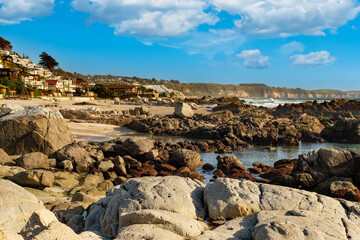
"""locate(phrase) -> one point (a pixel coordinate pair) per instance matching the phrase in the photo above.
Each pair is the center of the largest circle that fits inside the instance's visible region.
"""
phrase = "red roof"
(51, 82)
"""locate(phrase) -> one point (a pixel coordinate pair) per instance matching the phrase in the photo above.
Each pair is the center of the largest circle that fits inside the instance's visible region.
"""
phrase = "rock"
(10, 108)
(229, 198)
(66, 165)
(158, 193)
(34, 178)
(137, 146)
(105, 166)
(79, 156)
(344, 130)
(173, 222)
(35, 129)
(300, 224)
(178, 95)
(36, 160)
(140, 232)
(183, 110)
(193, 106)
(232, 167)
(9, 171)
(17, 205)
(185, 158)
(208, 167)
(39, 221)
(89, 183)
(58, 231)
(238, 228)
(66, 180)
(4, 158)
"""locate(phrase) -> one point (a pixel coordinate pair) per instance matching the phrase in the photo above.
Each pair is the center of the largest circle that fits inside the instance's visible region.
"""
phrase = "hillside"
(256, 91)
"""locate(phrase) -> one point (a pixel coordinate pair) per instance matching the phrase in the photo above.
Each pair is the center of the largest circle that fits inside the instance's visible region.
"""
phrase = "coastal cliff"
(256, 91)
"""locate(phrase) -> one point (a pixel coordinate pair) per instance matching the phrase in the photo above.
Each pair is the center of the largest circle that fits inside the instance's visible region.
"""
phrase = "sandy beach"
(68, 103)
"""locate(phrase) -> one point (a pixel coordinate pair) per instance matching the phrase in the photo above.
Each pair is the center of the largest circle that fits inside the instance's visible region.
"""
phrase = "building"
(52, 85)
(7, 72)
(123, 89)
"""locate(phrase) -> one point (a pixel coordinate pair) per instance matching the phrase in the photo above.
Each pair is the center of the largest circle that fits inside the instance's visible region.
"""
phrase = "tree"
(5, 44)
(47, 61)
(103, 91)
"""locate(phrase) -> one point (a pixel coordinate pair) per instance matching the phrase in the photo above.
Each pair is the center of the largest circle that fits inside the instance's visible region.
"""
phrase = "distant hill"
(256, 91)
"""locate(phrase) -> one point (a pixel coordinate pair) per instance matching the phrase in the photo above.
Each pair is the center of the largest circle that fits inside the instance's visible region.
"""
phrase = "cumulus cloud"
(144, 18)
(312, 59)
(254, 59)
(283, 18)
(292, 47)
(15, 11)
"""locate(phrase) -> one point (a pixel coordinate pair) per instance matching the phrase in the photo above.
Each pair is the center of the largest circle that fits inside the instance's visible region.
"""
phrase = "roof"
(159, 88)
(51, 82)
(120, 87)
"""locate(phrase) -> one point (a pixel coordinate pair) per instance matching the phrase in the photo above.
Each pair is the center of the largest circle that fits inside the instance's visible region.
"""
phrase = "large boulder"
(16, 206)
(185, 158)
(137, 146)
(35, 129)
(178, 195)
(80, 158)
(36, 160)
(183, 110)
(34, 178)
(344, 130)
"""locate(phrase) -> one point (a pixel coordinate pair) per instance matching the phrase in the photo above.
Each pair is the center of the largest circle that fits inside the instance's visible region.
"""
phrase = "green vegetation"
(5, 44)
(103, 92)
(14, 84)
(47, 61)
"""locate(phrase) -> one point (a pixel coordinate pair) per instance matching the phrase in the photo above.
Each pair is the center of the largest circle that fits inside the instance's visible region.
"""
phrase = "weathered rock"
(35, 160)
(35, 129)
(185, 158)
(173, 222)
(230, 198)
(106, 165)
(4, 158)
(38, 222)
(183, 110)
(344, 130)
(137, 146)
(17, 205)
(178, 95)
(9, 171)
(141, 231)
(66, 180)
(66, 165)
(79, 156)
(158, 193)
(34, 178)
(10, 108)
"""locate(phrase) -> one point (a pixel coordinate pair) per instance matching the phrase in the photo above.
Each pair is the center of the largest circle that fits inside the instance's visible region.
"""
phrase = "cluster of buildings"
(34, 76)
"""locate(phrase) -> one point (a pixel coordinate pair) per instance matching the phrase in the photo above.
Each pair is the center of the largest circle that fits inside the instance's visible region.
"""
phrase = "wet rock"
(208, 167)
(344, 130)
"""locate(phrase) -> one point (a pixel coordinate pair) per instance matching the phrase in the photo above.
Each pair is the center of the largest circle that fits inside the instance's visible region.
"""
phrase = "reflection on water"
(257, 154)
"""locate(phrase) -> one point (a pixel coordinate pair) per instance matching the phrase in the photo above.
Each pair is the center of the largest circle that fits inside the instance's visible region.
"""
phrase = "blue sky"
(311, 44)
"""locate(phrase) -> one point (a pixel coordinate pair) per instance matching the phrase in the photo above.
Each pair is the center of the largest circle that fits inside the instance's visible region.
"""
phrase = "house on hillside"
(120, 90)
(52, 85)
(7, 72)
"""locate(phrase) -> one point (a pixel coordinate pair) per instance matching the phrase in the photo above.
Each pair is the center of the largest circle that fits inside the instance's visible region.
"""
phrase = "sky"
(310, 44)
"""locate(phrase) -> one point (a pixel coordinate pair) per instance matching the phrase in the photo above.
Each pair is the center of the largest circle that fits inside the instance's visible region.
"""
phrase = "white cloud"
(292, 47)
(312, 59)
(148, 18)
(254, 59)
(283, 18)
(15, 11)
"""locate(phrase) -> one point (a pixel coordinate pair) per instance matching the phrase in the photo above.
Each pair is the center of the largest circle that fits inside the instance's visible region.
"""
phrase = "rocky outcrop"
(344, 130)
(185, 158)
(35, 129)
(159, 193)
